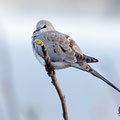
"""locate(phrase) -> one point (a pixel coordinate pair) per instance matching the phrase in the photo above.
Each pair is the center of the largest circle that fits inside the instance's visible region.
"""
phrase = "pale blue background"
(26, 92)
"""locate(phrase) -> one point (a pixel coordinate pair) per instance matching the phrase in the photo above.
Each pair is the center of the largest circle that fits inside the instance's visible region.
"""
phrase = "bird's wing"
(62, 48)
(79, 55)
(67, 49)
(59, 48)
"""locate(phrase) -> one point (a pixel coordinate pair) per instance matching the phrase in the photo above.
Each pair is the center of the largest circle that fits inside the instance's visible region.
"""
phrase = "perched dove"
(63, 51)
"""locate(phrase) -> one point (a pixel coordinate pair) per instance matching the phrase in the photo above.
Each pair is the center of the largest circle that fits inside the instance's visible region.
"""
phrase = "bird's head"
(43, 26)
(38, 42)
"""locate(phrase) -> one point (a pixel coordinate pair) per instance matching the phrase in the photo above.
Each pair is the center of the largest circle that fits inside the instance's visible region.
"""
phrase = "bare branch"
(51, 73)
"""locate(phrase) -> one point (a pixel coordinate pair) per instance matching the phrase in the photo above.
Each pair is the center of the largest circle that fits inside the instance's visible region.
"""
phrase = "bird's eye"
(44, 26)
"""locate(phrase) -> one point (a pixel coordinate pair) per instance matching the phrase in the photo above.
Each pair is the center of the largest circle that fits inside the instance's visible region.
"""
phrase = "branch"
(51, 73)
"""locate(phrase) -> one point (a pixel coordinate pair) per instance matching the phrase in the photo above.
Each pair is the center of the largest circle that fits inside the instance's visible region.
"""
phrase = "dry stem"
(51, 73)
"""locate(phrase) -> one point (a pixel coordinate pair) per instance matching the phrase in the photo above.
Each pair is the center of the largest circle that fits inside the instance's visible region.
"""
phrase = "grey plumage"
(63, 51)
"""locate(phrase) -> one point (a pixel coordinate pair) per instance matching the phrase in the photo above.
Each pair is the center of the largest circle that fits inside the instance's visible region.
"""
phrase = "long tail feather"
(85, 67)
(96, 74)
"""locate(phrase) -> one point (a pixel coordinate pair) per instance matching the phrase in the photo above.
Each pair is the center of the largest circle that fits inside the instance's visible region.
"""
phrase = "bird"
(63, 50)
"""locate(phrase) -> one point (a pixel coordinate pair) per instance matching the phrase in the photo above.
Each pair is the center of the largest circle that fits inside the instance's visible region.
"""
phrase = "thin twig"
(51, 74)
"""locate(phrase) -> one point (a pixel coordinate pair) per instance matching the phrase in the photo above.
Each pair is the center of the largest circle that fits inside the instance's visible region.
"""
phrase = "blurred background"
(26, 92)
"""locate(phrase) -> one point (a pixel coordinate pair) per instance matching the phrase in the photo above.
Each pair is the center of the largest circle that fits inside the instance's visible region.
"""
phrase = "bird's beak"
(36, 30)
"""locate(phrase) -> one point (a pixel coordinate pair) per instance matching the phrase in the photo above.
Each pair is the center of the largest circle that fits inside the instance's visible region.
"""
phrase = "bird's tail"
(96, 74)
(87, 68)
